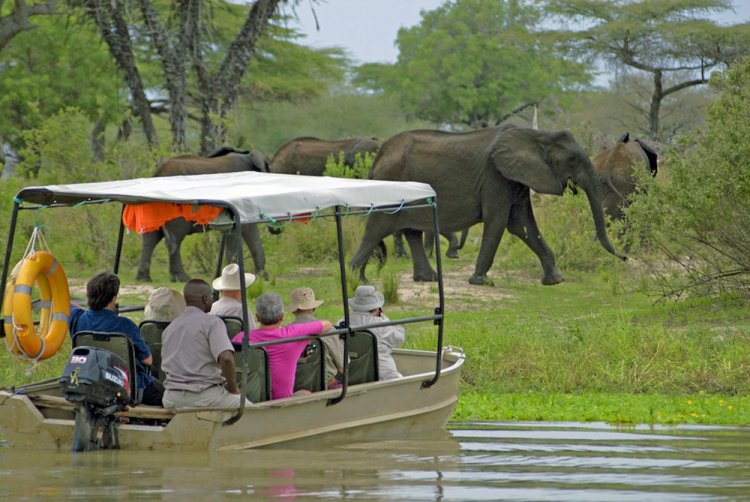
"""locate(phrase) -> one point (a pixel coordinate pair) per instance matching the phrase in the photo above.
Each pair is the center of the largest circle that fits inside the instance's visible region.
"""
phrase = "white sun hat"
(230, 279)
(366, 299)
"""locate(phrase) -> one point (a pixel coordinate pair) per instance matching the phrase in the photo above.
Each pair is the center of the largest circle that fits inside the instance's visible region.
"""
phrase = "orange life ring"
(43, 269)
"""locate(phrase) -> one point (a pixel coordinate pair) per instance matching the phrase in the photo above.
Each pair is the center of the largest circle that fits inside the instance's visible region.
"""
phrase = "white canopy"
(257, 196)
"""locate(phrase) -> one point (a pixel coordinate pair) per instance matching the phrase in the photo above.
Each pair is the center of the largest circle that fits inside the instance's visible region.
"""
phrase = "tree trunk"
(656, 99)
(173, 58)
(109, 18)
(219, 90)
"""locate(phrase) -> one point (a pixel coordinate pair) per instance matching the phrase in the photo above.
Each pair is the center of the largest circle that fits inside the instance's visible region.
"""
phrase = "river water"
(471, 462)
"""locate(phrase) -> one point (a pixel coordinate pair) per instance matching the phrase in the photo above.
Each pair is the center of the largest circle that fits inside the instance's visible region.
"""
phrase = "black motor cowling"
(97, 381)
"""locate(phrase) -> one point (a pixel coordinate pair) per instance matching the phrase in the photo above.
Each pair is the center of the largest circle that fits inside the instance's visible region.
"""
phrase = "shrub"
(360, 169)
(699, 218)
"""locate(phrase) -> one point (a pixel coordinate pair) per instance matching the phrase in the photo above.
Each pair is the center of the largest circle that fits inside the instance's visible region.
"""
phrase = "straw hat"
(230, 279)
(164, 304)
(366, 299)
(303, 299)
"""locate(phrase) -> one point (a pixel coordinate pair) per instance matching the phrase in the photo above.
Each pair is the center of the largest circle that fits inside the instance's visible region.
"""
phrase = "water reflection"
(476, 461)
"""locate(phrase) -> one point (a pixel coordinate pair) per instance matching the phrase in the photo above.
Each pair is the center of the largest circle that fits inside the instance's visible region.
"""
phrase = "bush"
(360, 169)
(699, 218)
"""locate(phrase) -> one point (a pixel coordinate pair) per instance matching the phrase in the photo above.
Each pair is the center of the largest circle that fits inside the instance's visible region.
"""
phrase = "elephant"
(223, 160)
(308, 155)
(483, 175)
(615, 167)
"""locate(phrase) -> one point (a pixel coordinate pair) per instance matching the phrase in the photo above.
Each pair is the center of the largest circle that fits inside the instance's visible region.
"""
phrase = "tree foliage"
(473, 62)
(673, 42)
(700, 218)
(17, 19)
(60, 64)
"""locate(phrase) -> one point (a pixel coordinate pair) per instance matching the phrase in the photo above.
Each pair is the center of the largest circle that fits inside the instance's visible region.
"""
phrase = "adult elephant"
(615, 167)
(482, 175)
(223, 160)
(308, 155)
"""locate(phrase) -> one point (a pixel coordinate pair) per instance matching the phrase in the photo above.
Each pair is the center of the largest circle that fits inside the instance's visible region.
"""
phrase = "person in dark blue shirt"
(101, 292)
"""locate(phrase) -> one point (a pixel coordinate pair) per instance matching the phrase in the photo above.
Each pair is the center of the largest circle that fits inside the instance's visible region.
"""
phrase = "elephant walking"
(224, 160)
(308, 155)
(482, 175)
(615, 167)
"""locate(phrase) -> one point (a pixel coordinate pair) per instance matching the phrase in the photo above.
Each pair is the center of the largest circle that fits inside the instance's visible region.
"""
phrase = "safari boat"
(43, 415)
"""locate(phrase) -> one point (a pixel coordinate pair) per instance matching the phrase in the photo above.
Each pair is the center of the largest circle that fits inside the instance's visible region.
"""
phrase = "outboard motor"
(97, 382)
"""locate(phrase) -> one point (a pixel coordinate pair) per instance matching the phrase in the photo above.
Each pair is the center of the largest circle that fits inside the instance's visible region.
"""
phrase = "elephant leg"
(398, 245)
(429, 242)
(523, 225)
(174, 233)
(149, 241)
(453, 246)
(422, 269)
(251, 235)
(378, 227)
(493, 232)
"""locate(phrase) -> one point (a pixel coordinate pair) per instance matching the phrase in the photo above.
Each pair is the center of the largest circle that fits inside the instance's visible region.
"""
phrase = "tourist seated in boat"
(367, 308)
(101, 293)
(164, 305)
(197, 356)
(230, 301)
(282, 358)
(303, 305)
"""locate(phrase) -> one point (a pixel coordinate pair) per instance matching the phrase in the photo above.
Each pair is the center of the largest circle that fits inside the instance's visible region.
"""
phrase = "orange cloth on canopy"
(151, 216)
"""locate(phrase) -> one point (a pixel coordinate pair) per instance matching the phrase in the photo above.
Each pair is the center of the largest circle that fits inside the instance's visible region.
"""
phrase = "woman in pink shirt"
(282, 358)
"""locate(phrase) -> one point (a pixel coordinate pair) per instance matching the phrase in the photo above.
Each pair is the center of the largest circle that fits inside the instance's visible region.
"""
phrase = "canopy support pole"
(8, 249)
(345, 302)
(441, 299)
(237, 229)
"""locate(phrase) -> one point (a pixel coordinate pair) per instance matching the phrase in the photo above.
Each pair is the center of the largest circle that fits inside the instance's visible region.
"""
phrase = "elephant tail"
(464, 235)
(380, 253)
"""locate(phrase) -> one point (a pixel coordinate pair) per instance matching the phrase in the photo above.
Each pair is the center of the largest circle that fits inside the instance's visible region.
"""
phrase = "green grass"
(601, 346)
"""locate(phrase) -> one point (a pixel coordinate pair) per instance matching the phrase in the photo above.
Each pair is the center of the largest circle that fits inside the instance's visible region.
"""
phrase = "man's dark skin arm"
(226, 363)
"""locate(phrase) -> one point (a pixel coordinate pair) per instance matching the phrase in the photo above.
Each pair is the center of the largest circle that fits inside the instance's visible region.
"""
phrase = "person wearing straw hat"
(303, 305)
(230, 301)
(164, 304)
(367, 308)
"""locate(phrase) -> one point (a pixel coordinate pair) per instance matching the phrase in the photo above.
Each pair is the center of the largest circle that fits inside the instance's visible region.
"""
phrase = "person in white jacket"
(367, 308)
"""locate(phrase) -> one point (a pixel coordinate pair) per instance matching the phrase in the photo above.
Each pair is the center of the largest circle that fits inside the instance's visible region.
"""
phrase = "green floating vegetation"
(700, 408)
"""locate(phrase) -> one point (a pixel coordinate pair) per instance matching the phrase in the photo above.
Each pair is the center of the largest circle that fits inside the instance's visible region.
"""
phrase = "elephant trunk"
(595, 201)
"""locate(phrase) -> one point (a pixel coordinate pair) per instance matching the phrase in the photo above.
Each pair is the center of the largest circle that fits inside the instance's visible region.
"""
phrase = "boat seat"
(151, 332)
(120, 345)
(259, 374)
(233, 324)
(310, 374)
(363, 357)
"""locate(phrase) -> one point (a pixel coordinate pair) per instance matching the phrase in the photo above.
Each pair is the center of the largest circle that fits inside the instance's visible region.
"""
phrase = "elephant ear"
(653, 157)
(518, 154)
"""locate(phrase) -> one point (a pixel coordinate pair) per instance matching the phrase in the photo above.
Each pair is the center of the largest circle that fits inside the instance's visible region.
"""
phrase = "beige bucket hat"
(164, 304)
(366, 299)
(230, 279)
(303, 299)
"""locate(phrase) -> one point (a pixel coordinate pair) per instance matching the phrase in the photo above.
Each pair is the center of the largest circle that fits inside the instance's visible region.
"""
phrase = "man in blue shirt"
(101, 292)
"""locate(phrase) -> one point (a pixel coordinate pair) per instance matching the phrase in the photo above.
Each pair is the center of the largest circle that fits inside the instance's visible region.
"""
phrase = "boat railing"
(348, 331)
